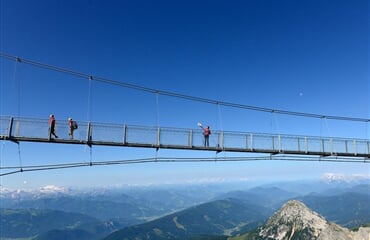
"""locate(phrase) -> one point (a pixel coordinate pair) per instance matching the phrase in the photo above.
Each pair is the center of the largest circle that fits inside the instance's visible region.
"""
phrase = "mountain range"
(218, 217)
(185, 212)
(296, 221)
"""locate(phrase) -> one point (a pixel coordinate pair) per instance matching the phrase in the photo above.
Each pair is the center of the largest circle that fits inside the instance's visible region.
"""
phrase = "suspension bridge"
(88, 133)
(271, 146)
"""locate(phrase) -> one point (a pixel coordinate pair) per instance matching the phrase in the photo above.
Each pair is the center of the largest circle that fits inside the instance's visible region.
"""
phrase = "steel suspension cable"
(179, 95)
(20, 156)
(89, 109)
(220, 117)
(274, 121)
(157, 108)
(1, 161)
(221, 128)
(89, 103)
(327, 127)
(185, 160)
(18, 86)
(157, 120)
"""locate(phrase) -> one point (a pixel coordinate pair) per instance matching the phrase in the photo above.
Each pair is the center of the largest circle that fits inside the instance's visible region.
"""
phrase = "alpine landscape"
(185, 120)
(330, 209)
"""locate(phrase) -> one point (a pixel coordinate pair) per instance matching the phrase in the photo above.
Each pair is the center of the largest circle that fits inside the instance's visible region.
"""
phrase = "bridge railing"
(30, 129)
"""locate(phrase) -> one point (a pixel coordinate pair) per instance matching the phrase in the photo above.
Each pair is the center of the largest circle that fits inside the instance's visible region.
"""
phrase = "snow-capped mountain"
(343, 178)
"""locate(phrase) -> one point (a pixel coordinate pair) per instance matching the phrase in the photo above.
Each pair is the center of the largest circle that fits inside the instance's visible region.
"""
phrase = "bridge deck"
(36, 130)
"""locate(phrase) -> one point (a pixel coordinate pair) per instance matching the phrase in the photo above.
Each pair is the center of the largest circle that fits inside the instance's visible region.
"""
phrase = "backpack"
(74, 125)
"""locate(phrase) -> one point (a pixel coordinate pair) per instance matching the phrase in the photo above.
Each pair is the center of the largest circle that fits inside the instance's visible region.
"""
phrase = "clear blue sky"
(307, 56)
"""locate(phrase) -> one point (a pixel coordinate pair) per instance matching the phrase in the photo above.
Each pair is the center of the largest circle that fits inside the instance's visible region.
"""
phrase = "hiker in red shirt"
(206, 133)
(71, 128)
(52, 123)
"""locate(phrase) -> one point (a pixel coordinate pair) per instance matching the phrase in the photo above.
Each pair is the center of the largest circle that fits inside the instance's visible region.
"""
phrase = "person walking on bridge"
(52, 123)
(72, 126)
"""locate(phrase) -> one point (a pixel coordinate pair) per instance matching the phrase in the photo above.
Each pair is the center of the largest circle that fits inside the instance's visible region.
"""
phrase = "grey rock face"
(295, 221)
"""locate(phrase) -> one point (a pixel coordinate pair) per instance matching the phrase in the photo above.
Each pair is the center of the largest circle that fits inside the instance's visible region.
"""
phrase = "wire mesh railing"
(30, 129)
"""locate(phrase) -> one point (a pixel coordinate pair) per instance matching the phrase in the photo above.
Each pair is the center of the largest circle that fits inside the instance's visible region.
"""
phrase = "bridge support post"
(158, 137)
(10, 129)
(190, 138)
(246, 141)
(251, 147)
(220, 144)
(89, 134)
(124, 134)
(305, 145)
(279, 140)
(49, 133)
(322, 146)
(331, 146)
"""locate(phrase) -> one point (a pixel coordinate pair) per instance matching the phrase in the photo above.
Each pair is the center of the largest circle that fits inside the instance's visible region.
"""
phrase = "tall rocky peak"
(296, 221)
